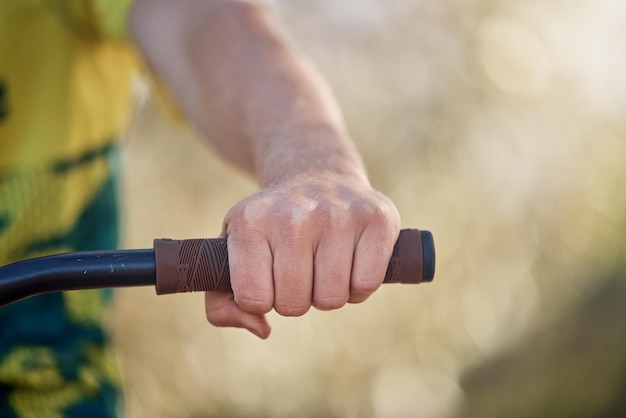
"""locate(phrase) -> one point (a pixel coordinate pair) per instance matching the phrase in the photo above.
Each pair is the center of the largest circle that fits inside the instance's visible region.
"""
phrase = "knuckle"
(357, 298)
(382, 213)
(246, 217)
(327, 303)
(291, 233)
(379, 214)
(365, 286)
(291, 308)
(295, 221)
(254, 303)
(338, 218)
(255, 211)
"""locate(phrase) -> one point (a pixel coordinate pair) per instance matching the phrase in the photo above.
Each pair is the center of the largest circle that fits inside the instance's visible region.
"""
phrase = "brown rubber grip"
(407, 259)
(202, 264)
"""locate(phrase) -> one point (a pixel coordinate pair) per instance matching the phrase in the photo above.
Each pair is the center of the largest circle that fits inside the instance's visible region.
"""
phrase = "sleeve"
(110, 17)
(102, 18)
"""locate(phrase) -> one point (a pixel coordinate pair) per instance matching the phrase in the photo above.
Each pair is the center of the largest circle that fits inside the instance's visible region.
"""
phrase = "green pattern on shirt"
(55, 354)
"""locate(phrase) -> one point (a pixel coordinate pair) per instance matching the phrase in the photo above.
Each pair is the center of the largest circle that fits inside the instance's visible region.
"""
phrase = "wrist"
(322, 154)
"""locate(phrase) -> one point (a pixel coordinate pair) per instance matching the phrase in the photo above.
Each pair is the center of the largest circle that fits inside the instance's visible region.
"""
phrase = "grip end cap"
(428, 251)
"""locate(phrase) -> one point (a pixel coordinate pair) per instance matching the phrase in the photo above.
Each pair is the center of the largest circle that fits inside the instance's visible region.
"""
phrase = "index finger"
(371, 259)
(250, 262)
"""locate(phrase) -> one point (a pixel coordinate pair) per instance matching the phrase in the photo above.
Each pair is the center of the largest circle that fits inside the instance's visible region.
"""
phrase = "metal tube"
(74, 271)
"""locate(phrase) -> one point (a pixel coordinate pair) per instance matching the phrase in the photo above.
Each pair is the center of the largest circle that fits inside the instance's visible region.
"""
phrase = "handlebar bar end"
(428, 251)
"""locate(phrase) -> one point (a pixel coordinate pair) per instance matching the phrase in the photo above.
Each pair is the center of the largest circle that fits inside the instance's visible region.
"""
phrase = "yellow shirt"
(66, 72)
(65, 94)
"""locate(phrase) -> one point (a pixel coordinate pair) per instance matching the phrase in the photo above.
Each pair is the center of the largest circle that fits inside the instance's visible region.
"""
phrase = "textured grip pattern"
(206, 261)
(394, 269)
(202, 264)
(192, 265)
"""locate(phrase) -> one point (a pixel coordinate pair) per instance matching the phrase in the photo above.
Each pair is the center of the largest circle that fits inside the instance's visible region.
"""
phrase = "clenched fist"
(311, 241)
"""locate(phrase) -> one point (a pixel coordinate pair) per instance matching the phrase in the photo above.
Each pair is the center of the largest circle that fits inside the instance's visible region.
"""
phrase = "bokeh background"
(500, 126)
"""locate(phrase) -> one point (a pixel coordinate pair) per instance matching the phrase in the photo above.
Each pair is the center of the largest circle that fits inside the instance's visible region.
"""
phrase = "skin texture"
(316, 233)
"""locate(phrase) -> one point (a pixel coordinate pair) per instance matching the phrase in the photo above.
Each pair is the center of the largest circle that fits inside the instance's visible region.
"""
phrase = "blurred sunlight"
(499, 125)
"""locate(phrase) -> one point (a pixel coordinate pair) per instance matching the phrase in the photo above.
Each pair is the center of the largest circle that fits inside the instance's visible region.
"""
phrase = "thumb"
(222, 311)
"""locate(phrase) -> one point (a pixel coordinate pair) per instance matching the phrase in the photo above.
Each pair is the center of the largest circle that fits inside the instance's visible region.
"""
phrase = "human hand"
(310, 241)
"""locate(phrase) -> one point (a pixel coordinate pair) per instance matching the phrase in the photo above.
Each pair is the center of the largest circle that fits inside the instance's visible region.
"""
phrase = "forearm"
(316, 234)
(256, 99)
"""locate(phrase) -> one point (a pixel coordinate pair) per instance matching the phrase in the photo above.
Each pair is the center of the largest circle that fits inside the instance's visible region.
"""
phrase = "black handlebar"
(176, 266)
